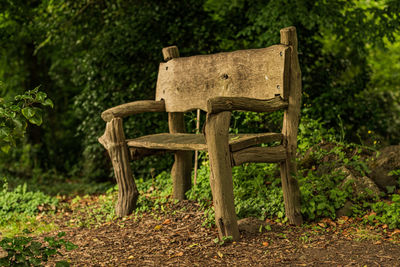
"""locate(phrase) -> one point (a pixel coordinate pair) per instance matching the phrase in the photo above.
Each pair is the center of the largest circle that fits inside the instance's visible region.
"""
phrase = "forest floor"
(174, 236)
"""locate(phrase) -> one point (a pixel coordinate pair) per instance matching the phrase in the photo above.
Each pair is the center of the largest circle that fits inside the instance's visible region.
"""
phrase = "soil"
(176, 237)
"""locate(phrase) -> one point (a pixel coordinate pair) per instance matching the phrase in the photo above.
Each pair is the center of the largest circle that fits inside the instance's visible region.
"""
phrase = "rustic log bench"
(259, 80)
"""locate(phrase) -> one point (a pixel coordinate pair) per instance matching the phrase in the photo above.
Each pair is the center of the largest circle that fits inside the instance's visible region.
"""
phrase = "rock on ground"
(385, 161)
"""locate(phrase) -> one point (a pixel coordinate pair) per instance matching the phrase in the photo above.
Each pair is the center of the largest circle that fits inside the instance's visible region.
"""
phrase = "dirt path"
(176, 238)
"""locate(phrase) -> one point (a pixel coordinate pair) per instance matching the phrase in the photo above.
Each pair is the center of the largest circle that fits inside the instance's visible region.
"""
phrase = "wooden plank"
(259, 154)
(177, 141)
(181, 171)
(290, 187)
(224, 103)
(216, 132)
(114, 141)
(240, 141)
(136, 107)
(184, 141)
(186, 83)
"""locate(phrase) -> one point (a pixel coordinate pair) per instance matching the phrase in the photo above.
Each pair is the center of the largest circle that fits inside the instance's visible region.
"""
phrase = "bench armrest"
(223, 103)
(133, 108)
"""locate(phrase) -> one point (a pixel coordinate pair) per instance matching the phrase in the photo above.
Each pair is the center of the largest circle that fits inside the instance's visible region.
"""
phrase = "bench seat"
(183, 141)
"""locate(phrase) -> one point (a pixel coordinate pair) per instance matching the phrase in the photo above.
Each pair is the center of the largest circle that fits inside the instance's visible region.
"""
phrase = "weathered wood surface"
(259, 154)
(169, 141)
(181, 171)
(240, 141)
(184, 141)
(136, 107)
(113, 141)
(196, 153)
(216, 132)
(225, 103)
(186, 83)
(170, 52)
(290, 185)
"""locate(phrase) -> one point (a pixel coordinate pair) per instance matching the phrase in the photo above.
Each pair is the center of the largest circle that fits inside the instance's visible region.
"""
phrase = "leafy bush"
(321, 195)
(21, 201)
(15, 114)
(386, 212)
(24, 251)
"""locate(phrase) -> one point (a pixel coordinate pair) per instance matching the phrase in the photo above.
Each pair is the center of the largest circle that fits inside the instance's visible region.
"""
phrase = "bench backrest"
(185, 83)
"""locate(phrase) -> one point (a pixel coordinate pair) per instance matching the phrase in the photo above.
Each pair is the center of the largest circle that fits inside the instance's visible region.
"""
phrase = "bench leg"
(216, 131)
(181, 174)
(114, 141)
(182, 169)
(291, 191)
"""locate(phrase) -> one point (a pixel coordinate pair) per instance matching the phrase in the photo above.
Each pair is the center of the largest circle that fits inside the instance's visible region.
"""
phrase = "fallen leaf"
(180, 254)
(384, 226)
(167, 221)
(157, 227)
(193, 245)
(220, 254)
(186, 217)
(396, 231)
(131, 257)
(265, 244)
(323, 225)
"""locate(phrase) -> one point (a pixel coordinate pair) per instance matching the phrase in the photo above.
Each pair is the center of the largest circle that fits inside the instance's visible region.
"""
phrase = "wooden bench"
(259, 80)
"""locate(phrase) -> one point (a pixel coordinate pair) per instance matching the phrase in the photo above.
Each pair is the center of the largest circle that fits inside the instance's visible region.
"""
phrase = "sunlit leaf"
(48, 102)
(28, 112)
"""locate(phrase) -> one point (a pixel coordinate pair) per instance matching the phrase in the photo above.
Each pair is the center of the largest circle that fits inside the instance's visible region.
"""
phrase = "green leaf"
(5, 261)
(50, 252)
(61, 234)
(35, 261)
(15, 108)
(6, 148)
(35, 248)
(41, 96)
(62, 264)
(70, 246)
(28, 112)
(48, 102)
(20, 258)
(37, 119)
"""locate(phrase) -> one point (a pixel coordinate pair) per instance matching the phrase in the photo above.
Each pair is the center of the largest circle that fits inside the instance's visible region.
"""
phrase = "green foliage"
(20, 201)
(90, 56)
(223, 241)
(25, 251)
(154, 192)
(90, 211)
(266, 201)
(386, 212)
(15, 114)
(322, 195)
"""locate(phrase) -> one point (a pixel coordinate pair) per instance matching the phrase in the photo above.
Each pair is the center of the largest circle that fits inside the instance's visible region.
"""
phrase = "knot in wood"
(224, 76)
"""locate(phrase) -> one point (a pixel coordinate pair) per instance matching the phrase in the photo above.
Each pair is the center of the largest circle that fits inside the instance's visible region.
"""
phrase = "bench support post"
(290, 186)
(217, 138)
(182, 169)
(113, 140)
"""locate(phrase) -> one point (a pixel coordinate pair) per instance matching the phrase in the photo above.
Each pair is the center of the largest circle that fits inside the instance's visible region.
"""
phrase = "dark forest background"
(90, 55)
